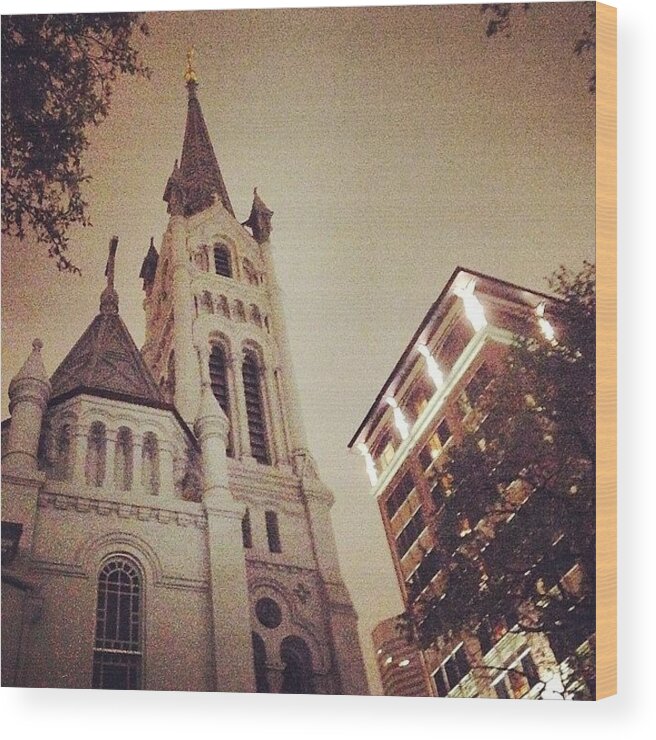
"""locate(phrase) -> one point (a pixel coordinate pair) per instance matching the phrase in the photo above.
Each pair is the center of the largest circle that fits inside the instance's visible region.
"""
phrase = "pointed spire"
(260, 219)
(109, 296)
(33, 368)
(198, 182)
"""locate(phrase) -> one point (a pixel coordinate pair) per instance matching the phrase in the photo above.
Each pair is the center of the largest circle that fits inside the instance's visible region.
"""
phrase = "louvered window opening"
(222, 262)
(117, 654)
(255, 411)
(219, 384)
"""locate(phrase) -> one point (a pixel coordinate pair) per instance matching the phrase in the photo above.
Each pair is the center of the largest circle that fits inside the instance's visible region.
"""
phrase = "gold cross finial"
(190, 72)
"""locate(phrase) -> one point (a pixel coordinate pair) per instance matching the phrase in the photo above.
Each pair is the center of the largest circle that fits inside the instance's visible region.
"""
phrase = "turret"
(29, 392)
(259, 220)
(149, 267)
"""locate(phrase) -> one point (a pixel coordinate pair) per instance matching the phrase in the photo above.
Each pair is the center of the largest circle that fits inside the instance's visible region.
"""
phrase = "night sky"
(393, 144)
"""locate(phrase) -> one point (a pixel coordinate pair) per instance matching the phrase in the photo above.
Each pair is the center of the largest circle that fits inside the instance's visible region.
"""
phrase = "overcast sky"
(393, 144)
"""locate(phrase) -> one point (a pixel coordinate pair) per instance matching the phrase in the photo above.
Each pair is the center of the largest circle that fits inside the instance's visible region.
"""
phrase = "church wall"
(68, 551)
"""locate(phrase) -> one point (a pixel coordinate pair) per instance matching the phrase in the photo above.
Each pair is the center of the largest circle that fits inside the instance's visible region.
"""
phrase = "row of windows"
(96, 458)
(253, 393)
(206, 303)
(272, 530)
(384, 449)
(118, 643)
(222, 264)
(451, 672)
(408, 535)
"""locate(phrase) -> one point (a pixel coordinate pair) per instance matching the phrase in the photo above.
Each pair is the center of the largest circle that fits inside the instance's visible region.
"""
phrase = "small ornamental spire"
(109, 296)
(259, 220)
(190, 72)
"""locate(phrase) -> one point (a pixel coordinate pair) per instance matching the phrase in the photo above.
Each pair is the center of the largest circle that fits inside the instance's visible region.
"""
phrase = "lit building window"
(451, 672)
(518, 679)
(117, 654)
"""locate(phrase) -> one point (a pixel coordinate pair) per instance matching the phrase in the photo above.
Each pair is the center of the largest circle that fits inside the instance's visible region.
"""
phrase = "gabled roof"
(198, 180)
(105, 359)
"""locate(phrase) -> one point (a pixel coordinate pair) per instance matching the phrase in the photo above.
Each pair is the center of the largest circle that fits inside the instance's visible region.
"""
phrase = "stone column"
(242, 416)
(29, 392)
(342, 620)
(187, 386)
(233, 649)
(166, 475)
(137, 451)
(279, 330)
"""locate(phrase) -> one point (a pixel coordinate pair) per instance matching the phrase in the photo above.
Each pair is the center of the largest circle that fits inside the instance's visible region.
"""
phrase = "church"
(164, 526)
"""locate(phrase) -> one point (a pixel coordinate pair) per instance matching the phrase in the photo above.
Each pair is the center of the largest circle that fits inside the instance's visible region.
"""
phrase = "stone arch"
(238, 310)
(255, 315)
(250, 273)
(123, 459)
(96, 455)
(95, 550)
(222, 306)
(206, 302)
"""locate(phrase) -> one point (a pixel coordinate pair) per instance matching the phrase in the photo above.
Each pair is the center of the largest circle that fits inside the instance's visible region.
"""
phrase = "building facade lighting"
(369, 463)
(431, 366)
(545, 326)
(473, 307)
(399, 420)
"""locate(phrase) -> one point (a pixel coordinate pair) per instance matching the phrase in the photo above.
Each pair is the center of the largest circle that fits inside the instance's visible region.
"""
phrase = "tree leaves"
(516, 533)
(57, 79)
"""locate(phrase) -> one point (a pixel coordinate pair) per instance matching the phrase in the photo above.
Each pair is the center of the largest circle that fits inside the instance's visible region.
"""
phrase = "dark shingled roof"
(105, 359)
(198, 180)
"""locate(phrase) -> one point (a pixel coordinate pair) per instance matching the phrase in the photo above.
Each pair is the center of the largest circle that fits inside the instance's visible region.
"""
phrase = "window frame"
(130, 651)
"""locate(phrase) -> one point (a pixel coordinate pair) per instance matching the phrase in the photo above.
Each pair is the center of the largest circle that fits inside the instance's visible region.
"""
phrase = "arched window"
(222, 265)
(219, 383)
(123, 460)
(150, 464)
(117, 652)
(255, 409)
(259, 660)
(239, 311)
(255, 315)
(297, 676)
(223, 307)
(63, 444)
(246, 531)
(206, 302)
(249, 272)
(96, 453)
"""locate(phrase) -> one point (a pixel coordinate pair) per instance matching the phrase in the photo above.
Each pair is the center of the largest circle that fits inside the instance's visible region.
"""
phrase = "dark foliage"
(516, 508)
(498, 21)
(57, 78)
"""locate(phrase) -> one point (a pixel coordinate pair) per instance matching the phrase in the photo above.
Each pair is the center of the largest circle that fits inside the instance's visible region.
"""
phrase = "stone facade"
(182, 475)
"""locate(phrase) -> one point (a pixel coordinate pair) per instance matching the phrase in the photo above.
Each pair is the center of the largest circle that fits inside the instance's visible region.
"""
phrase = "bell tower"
(215, 320)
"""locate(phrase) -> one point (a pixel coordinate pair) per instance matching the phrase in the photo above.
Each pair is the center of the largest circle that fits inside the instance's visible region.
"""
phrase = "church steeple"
(197, 182)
